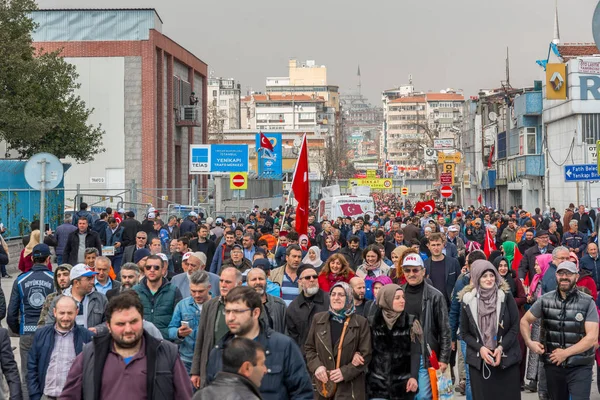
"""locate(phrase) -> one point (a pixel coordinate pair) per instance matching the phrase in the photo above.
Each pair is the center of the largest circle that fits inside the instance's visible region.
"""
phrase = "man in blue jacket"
(54, 350)
(26, 301)
(287, 377)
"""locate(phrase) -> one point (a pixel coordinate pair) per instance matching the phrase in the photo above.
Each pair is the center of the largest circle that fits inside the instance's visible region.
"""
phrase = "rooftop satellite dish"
(493, 116)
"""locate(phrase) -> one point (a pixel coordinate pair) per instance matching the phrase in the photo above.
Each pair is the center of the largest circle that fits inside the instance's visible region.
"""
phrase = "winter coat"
(286, 377)
(83, 213)
(227, 386)
(72, 248)
(97, 303)
(274, 309)
(112, 238)
(29, 292)
(300, 314)
(585, 224)
(100, 227)
(159, 307)
(62, 235)
(452, 272)
(354, 258)
(326, 281)
(586, 280)
(205, 338)
(320, 351)
(507, 316)
(577, 240)
(527, 265)
(9, 366)
(395, 357)
(40, 353)
(130, 227)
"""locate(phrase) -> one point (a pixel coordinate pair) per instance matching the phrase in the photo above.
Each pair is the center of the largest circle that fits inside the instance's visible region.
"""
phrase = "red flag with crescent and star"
(350, 210)
(425, 206)
(301, 188)
(489, 245)
(265, 143)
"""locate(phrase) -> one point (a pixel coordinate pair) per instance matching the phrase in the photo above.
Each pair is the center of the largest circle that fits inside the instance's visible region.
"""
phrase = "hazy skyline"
(459, 44)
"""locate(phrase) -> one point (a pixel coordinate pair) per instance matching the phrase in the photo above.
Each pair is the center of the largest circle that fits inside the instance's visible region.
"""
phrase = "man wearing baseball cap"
(27, 298)
(570, 322)
(91, 302)
(189, 224)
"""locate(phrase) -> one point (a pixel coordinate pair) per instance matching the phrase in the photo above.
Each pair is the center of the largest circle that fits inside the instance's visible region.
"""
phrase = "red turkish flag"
(479, 200)
(350, 210)
(265, 143)
(489, 244)
(425, 206)
(301, 189)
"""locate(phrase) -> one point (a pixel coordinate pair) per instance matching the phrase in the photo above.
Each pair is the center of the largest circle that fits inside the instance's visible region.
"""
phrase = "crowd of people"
(390, 306)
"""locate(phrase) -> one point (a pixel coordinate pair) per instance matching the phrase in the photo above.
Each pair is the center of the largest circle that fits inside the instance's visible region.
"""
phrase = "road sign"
(214, 158)
(430, 154)
(404, 191)
(581, 172)
(446, 178)
(449, 169)
(238, 181)
(443, 144)
(371, 173)
(446, 191)
(372, 183)
(448, 158)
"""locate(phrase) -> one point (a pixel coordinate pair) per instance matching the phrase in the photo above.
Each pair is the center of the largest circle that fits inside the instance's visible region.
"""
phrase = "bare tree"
(215, 122)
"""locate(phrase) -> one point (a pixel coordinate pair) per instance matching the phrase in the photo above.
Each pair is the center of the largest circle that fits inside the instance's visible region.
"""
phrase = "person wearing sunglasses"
(141, 239)
(303, 308)
(157, 294)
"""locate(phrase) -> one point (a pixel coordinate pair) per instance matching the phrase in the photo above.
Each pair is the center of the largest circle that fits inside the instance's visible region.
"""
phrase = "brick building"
(139, 83)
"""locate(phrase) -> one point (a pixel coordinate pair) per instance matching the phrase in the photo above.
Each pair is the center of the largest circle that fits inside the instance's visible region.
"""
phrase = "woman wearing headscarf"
(331, 247)
(304, 242)
(336, 269)
(542, 263)
(489, 324)
(586, 279)
(394, 369)
(26, 259)
(508, 250)
(313, 257)
(371, 268)
(335, 339)
(518, 292)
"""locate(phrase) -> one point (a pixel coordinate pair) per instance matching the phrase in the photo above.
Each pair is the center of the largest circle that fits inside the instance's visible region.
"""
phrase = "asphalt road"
(7, 287)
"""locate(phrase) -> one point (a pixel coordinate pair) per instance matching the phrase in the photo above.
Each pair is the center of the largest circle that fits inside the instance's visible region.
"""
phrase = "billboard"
(218, 158)
(270, 163)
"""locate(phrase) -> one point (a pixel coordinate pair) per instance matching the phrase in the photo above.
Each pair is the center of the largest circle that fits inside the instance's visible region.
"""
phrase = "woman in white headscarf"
(489, 324)
(313, 257)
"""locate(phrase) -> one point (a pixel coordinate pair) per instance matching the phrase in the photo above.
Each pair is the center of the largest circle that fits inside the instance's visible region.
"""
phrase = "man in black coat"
(441, 269)
(353, 252)
(80, 240)
(584, 221)
(131, 226)
(527, 265)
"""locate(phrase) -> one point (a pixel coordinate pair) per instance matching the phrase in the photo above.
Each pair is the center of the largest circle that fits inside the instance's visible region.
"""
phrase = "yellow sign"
(449, 169)
(556, 81)
(377, 183)
(448, 158)
(404, 191)
(371, 173)
(238, 181)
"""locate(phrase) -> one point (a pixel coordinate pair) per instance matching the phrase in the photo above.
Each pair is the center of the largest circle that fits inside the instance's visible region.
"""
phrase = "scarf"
(509, 277)
(509, 251)
(317, 262)
(543, 261)
(349, 309)
(34, 240)
(300, 239)
(335, 245)
(486, 302)
(385, 301)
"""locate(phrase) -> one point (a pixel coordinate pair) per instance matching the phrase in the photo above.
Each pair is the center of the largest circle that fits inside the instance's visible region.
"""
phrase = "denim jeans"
(59, 259)
(424, 392)
(463, 349)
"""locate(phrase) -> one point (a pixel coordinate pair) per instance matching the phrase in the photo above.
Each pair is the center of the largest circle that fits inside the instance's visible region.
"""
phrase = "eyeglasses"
(411, 270)
(309, 277)
(140, 237)
(236, 312)
(154, 267)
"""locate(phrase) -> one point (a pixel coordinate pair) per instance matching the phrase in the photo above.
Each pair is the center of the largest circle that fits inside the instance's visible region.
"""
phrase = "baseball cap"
(262, 263)
(121, 211)
(192, 214)
(452, 228)
(541, 233)
(412, 260)
(151, 215)
(219, 221)
(237, 246)
(151, 209)
(569, 266)
(186, 256)
(200, 256)
(162, 256)
(81, 270)
(41, 250)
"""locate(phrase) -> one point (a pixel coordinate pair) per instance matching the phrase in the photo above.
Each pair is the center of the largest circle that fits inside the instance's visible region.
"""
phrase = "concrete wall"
(133, 119)
(103, 89)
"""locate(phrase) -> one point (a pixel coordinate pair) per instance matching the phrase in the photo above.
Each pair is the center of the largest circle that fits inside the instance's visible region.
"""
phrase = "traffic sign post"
(446, 191)
(581, 173)
(238, 181)
(404, 191)
(446, 178)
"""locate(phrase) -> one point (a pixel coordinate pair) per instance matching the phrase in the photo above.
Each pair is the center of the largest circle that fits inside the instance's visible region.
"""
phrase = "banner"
(269, 161)
(372, 183)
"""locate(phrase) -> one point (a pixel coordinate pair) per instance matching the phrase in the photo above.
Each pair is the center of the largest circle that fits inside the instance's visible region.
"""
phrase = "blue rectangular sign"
(270, 163)
(581, 172)
(229, 158)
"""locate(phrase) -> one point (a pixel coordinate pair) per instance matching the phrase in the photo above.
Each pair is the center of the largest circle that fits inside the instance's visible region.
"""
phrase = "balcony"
(525, 166)
(189, 116)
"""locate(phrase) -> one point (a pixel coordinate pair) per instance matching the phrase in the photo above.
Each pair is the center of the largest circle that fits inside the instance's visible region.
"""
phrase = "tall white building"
(224, 104)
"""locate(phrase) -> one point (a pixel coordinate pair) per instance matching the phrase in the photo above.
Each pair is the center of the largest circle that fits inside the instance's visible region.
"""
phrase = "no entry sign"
(446, 191)
(238, 181)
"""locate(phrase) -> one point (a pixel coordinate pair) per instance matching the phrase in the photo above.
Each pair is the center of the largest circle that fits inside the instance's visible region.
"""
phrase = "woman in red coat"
(25, 259)
(336, 269)
(585, 277)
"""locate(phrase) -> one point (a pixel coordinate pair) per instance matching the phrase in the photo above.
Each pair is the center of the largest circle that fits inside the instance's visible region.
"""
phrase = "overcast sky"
(444, 44)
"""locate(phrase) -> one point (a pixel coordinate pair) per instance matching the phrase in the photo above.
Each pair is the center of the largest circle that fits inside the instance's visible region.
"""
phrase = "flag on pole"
(265, 143)
(479, 199)
(301, 189)
(425, 206)
(489, 244)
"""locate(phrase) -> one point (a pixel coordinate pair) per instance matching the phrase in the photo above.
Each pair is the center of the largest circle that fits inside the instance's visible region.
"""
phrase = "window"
(528, 141)
(222, 103)
(214, 93)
